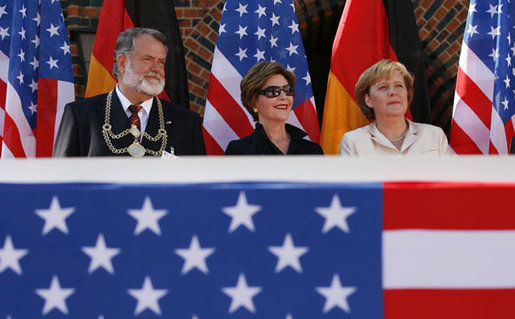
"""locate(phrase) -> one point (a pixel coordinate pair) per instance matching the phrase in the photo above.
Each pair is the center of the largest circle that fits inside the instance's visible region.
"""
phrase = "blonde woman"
(384, 92)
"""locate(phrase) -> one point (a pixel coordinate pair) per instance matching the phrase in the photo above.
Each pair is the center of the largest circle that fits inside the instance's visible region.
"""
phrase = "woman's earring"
(255, 110)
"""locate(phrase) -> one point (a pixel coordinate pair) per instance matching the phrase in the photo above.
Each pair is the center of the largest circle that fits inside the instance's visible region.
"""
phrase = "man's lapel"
(119, 122)
(153, 120)
(152, 128)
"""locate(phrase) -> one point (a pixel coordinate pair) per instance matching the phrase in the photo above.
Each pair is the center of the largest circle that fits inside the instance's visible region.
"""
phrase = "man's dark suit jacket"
(80, 132)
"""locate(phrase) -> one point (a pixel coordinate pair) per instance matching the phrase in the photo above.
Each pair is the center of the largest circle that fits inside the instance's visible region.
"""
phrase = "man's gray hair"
(126, 42)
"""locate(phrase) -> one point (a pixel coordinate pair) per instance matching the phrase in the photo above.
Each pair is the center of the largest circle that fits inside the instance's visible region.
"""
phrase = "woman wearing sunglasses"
(384, 92)
(267, 93)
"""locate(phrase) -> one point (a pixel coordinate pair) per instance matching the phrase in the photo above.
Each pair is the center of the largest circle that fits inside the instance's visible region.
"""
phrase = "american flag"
(253, 31)
(36, 78)
(484, 104)
(243, 251)
(257, 250)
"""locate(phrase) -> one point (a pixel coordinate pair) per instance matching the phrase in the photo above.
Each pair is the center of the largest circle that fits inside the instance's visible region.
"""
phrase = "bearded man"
(131, 120)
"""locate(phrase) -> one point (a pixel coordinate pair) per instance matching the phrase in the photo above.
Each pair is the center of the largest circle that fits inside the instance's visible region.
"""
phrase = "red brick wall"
(441, 27)
(199, 21)
(80, 14)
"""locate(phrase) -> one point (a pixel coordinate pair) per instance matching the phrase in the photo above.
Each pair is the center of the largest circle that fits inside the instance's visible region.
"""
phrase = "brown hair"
(252, 83)
(381, 69)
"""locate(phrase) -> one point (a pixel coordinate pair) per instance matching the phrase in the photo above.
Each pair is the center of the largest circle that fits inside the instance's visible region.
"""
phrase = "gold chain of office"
(135, 149)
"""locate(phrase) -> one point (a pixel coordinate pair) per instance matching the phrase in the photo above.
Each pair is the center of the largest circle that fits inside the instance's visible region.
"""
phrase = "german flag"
(370, 30)
(118, 15)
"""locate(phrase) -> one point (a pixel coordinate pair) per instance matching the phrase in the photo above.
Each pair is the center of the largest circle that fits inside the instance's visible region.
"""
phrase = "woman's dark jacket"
(258, 143)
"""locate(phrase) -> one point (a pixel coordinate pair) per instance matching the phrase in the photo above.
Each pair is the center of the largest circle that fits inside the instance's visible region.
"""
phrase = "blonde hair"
(381, 69)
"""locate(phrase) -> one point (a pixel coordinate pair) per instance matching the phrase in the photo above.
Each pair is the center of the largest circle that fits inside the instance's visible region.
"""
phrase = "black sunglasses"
(275, 91)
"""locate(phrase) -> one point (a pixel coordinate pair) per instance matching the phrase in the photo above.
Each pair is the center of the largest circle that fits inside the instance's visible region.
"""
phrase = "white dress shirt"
(143, 114)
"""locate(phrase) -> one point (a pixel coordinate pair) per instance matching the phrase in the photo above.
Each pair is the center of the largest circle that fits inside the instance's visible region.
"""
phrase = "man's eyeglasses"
(275, 91)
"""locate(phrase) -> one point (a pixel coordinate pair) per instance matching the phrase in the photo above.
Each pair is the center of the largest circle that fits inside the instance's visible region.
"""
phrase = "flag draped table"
(484, 104)
(240, 252)
(257, 250)
(36, 78)
(250, 32)
(118, 15)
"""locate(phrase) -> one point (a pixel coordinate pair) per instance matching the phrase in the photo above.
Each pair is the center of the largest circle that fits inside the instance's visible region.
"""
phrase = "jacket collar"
(378, 137)
(295, 133)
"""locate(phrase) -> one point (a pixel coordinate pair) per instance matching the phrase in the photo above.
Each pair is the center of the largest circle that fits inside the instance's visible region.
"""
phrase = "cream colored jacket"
(421, 139)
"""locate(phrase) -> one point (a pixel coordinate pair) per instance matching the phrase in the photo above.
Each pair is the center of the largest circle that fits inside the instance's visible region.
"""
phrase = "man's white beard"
(140, 83)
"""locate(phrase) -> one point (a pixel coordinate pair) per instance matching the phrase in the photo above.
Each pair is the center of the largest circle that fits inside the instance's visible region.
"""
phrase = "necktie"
(134, 119)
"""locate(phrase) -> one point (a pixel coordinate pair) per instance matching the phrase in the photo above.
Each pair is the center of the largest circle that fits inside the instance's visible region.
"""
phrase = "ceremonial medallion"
(136, 150)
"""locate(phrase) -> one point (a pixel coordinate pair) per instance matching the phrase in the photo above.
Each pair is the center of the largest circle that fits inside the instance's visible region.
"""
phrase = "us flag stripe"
(486, 80)
(34, 49)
